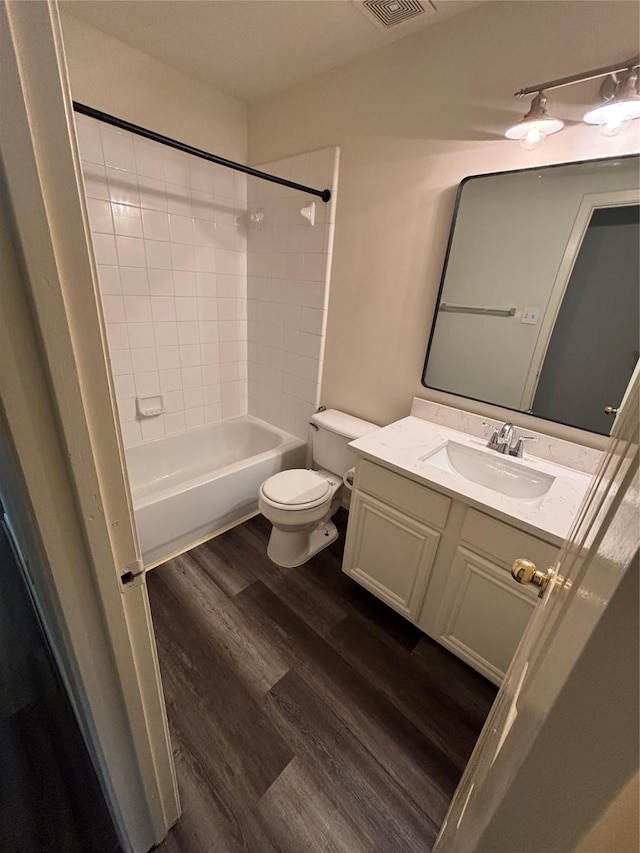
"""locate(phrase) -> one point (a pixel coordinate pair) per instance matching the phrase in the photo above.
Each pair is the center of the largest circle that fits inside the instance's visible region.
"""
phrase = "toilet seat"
(296, 488)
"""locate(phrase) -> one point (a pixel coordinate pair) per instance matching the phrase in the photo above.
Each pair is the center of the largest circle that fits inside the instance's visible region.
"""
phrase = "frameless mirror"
(539, 307)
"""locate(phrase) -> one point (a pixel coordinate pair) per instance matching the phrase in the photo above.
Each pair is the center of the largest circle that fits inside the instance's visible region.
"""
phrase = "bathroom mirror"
(538, 309)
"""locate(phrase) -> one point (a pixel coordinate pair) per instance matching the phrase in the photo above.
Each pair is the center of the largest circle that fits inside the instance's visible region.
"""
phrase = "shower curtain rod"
(325, 195)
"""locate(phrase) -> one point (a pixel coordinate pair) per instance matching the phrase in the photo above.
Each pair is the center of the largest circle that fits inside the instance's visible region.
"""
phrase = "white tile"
(211, 376)
(191, 377)
(205, 259)
(137, 308)
(193, 398)
(209, 332)
(147, 383)
(155, 225)
(311, 320)
(200, 175)
(149, 159)
(204, 206)
(314, 239)
(226, 237)
(121, 362)
(229, 371)
(104, 249)
(124, 386)
(179, 200)
(190, 355)
(228, 330)
(174, 422)
(152, 428)
(163, 308)
(95, 180)
(225, 262)
(206, 284)
(131, 252)
(168, 358)
(117, 146)
(186, 308)
(123, 187)
(144, 360)
(213, 393)
(231, 408)
(227, 309)
(100, 216)
(109, 279)
(184, 283)
(213, 414)
(204, 232)
(230, 287)
(294, 266)
(89, 142)
(127, 410)
(182, 257)
(170, 380)
(194, 417)
(176, 167)
(131, 434)
(230, 351)
(210, 353)
(153, 194)
(309, 345)
(180, 229)
(160, 282)
(313, 267)
(173, 401)
(223, 182)
(166, 334)
(117, 336)
(126, 220)
(113, 308)
(158, 254)
(207, 309)
(188, 333)
(141, 335)
(134, 281)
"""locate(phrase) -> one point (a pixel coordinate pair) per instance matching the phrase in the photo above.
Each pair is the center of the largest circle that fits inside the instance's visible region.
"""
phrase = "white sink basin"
(490, 470)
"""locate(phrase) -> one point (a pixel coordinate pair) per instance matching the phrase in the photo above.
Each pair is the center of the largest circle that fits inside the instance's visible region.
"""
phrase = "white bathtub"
(189, 486)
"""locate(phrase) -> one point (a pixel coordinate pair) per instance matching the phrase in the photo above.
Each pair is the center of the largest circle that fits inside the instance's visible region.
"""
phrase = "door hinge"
(131, 575)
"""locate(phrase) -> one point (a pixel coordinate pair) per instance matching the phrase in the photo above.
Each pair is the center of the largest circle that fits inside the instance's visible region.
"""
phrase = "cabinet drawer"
(503, 542)
(403, 494)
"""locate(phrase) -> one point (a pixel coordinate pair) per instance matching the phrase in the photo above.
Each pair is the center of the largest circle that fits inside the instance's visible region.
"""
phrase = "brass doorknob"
(524, 571)
(610, 410)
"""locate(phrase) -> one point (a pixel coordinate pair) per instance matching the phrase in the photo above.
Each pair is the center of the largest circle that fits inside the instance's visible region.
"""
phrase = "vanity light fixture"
(621, 104)
(536, 125)
(619, 110)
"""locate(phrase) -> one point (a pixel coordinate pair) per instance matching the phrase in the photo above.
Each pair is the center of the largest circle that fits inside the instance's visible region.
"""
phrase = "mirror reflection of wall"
(539, 302)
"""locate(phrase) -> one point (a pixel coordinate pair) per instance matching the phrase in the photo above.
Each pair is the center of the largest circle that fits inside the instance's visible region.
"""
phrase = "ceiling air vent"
(388, 13)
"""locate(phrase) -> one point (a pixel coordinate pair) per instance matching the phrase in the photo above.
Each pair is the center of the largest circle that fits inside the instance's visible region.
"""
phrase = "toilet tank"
(331, 439)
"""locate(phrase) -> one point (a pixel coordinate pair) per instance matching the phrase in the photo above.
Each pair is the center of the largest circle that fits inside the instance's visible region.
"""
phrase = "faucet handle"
(519, 446)
(493, 441)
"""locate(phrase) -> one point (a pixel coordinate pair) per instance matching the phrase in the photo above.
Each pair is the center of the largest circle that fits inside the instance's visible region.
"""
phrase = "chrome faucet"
(503, 440)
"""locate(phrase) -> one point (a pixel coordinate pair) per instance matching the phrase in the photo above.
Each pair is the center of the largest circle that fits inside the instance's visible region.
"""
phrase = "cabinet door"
(389, 554)
(483, 614)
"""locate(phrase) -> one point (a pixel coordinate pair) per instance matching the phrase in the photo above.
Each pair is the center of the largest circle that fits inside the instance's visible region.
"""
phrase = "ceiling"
(252, 48)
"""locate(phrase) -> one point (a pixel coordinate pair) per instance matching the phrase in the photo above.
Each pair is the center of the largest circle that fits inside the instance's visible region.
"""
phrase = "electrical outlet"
(530, 316)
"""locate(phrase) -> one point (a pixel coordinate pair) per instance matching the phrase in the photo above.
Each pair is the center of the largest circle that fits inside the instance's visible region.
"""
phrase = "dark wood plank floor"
(305, 714)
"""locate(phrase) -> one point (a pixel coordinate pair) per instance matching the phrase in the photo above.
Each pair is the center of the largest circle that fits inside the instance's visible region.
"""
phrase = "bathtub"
(190, 486)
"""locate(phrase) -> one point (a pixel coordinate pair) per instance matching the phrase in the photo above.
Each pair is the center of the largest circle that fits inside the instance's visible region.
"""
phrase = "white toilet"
(300, 503)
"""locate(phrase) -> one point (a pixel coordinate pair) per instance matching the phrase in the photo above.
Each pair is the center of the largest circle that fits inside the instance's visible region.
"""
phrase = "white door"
(62, 458)
(562, 737)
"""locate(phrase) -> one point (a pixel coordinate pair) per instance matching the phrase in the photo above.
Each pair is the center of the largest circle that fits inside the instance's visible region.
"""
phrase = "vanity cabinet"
(443, 565)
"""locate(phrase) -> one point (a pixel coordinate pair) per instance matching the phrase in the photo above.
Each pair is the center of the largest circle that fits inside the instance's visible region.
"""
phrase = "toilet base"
(291, 548)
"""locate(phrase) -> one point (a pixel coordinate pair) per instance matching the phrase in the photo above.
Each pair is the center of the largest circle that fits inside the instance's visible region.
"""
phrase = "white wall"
(412, 120)
(113, 77)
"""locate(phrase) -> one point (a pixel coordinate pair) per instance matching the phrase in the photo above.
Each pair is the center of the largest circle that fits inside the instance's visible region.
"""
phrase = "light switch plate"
(530, 316)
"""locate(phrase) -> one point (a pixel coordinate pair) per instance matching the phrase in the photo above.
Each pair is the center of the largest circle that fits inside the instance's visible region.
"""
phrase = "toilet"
(300, 502)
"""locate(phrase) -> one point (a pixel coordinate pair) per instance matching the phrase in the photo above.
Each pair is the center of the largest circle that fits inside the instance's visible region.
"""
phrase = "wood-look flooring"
(305, 714)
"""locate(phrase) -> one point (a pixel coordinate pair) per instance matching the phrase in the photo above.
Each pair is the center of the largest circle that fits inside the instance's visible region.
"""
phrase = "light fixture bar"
(634, 62)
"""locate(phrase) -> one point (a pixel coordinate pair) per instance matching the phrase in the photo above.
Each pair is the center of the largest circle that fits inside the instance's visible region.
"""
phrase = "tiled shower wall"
(289, 265)
(170, 243)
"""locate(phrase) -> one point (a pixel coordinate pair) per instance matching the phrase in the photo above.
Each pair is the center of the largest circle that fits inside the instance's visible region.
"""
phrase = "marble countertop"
(401, 445)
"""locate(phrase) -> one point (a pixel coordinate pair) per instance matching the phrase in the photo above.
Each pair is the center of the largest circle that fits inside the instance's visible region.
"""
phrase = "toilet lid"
(298, 486)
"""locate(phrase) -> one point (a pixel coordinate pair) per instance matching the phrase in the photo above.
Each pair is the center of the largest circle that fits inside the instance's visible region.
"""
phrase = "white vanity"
(433, 534)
